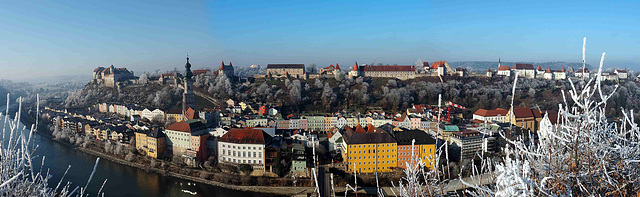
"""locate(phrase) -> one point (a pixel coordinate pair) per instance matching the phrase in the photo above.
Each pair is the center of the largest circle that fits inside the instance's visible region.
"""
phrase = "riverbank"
(268, 190)
(286, 191)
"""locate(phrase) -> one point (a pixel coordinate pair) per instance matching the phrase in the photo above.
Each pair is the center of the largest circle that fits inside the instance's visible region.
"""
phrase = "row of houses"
(402, 72)
(325, 123)
(133, 111)
(528, 71)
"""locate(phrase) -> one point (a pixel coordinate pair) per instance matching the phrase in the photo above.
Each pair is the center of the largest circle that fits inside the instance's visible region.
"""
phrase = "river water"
(121, 180)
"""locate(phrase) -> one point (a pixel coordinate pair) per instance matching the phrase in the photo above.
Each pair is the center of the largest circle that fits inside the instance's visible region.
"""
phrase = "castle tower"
(354, 71)
(188, 98)
(226, 69)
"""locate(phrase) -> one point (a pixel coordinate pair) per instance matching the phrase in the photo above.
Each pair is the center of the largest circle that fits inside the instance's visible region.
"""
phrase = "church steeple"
(188, 73)
(188, 97)
(499, 64)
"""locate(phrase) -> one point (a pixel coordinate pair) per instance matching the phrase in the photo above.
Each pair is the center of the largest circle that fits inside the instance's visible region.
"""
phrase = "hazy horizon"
(44, 39)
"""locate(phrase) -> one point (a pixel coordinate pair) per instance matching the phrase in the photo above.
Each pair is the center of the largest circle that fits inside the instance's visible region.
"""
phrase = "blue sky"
(47, 38)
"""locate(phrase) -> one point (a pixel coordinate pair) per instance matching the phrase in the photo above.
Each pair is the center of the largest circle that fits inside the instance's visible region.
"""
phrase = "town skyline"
(51, 39)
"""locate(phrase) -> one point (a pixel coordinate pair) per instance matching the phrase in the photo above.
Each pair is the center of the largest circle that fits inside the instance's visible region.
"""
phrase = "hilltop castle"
(111, 76)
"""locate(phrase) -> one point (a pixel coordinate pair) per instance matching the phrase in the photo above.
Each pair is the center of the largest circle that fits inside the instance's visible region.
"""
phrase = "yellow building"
(150, 143)
(174, 115)
(88, 130)
(424, 148)
(141, 141)
(525, 118)
(370, 152)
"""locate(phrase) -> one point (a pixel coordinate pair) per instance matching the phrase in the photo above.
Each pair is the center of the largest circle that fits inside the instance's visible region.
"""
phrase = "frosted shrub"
(18, 177)
(584, 154)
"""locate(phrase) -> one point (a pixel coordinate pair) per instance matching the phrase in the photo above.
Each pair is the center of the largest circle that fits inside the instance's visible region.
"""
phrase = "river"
(121, 180)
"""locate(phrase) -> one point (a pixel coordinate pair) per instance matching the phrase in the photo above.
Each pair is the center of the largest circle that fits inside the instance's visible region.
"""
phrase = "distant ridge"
(479, 66)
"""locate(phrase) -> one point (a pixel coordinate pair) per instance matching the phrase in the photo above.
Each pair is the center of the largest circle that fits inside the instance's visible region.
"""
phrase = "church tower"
(188, 98)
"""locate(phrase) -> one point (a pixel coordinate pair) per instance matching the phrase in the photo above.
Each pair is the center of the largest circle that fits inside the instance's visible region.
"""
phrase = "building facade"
(370, 152)
(424, 148)
(179, 136)
(399, 72)
(243, 146)
(286, 70)
(496, 115)
(227, 70)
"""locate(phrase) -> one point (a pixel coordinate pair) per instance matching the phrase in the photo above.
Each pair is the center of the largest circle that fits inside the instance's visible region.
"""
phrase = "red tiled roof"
(537, 113)
(488, 70)
(562, 69)
(425, 64)
(359, 129)
(370, 128)
(186, 127)
(201, 71)
(331, 133)
(523, 66)
(553, 116)
(548, 70)
(495, 112)
(180, 126)
(191, 114)
(504, 68)
(355, 67)
(435, 65)
(244, 136)
(539, 67)
(329, 67)
(404, 115)
(389, 68)
(460, 69)
(621, 71)
(522, 112)
(337, 66)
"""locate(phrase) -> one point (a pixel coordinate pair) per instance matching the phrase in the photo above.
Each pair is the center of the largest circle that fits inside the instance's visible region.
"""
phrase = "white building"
(580, 73)
(548, 74)
(404, 121)
(341, 122)
(243, 146)
(179, 135)
(622, 74)
(497, 115)
(504, 71)
(294, 123)
(273, 111)
(336, 142)
(524, 70)
(259, 122)
(610, 77)
(560, 74)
